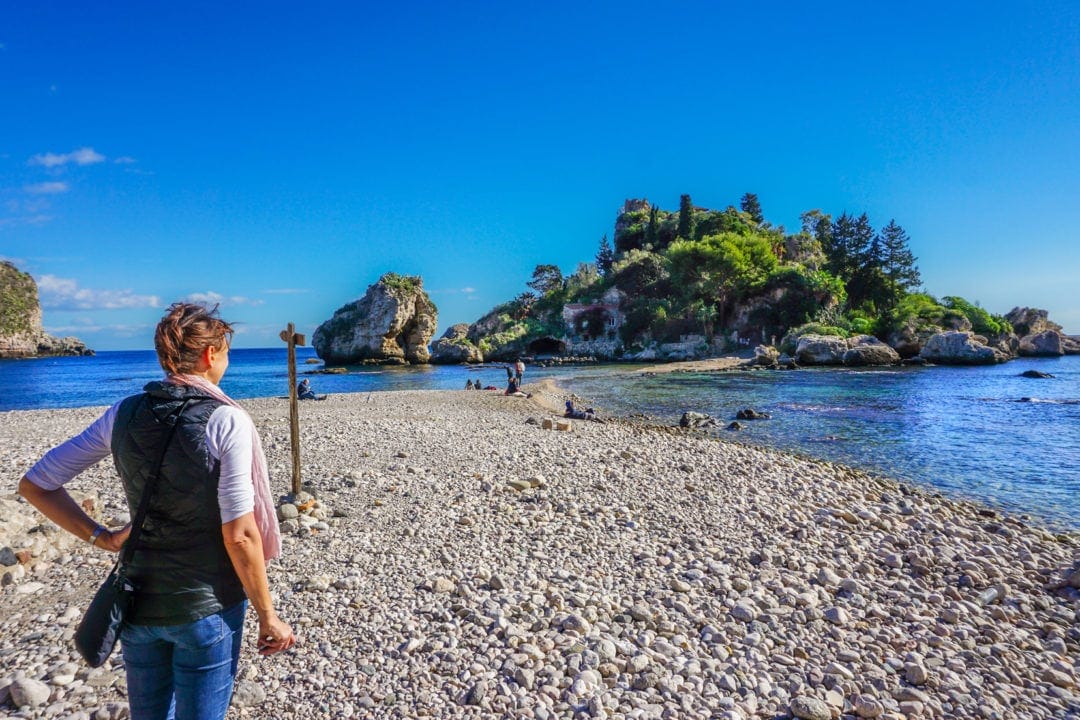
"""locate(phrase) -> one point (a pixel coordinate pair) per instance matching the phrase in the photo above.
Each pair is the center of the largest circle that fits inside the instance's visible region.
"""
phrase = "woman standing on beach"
(208, 532)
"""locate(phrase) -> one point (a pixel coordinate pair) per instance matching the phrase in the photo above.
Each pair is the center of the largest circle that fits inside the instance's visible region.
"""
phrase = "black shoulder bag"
(100, 627)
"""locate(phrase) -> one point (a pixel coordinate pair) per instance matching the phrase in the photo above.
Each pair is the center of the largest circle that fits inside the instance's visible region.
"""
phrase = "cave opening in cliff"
(547, 346)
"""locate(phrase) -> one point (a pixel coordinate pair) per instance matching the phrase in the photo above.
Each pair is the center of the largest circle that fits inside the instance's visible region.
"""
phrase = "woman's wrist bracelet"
(95, 535)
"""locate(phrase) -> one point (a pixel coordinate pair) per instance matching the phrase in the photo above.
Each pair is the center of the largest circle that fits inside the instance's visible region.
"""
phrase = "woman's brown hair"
(186, 330)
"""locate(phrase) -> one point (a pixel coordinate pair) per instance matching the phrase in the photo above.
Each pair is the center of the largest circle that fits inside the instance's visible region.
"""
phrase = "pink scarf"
(265, 516)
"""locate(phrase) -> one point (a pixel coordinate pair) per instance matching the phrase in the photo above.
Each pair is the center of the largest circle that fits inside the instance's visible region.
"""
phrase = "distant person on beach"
(512, 388)
(519, 369)
(211, 525)
(574, 413)
(304, 391)
(468, 384)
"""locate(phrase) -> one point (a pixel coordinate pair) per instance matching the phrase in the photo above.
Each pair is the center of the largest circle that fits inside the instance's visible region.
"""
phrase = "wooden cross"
(293, 338)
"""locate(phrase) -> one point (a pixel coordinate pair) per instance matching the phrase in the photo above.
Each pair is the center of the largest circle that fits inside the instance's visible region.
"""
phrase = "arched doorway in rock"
(547, 346)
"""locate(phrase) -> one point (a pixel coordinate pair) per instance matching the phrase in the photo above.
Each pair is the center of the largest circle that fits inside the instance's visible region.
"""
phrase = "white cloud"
(82, 328)
(125, 160)
(468, 290)
(25, 220)
(212, 298)
(287, 291)
(65, 294)
(82, 156)
(47, 188)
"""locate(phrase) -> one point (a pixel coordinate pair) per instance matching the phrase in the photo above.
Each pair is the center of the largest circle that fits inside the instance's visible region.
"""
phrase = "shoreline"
(472, 564)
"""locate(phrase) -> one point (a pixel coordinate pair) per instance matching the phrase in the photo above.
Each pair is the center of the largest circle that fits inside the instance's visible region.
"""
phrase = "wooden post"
(293, 338)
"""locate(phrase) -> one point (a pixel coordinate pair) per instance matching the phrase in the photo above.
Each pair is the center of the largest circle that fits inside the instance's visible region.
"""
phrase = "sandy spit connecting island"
(463, 561)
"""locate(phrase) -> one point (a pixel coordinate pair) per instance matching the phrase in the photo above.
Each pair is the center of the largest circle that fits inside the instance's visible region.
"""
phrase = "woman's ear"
(206, 359)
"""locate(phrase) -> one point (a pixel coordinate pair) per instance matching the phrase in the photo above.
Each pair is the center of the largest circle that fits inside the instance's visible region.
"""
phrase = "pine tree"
(650, 231)
(752, 207)
(605, 258)
(837, 241)
(686, 218)
(898, 260)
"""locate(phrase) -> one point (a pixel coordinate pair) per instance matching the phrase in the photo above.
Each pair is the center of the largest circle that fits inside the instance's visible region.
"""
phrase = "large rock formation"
(960, 348)
(834, 350)
(455, 347)
(868, 350)
(821, 349)
(392, 323)
(21, 332)
(1030, 321)
(1039, 337)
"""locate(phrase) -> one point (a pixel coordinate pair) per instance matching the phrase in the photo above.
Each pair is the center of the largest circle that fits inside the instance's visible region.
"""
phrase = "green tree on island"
(752, 207)
(686, 218)
(546, 279)
(605, 257)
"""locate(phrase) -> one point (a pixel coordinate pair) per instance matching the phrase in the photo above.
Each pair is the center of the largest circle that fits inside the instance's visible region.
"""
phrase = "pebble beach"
(453, 558)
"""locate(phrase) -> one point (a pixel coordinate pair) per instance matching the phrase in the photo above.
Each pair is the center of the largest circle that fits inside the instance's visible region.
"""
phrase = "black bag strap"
(148, 489)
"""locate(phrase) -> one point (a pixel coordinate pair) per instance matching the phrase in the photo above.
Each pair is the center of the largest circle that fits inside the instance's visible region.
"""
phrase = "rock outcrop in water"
(21, 332)
(1038, 336)
(455, 347)
(834, 350)
(392, 323)
(960, 348)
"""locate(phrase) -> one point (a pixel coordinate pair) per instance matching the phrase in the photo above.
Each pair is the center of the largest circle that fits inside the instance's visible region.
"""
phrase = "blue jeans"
(183, 671)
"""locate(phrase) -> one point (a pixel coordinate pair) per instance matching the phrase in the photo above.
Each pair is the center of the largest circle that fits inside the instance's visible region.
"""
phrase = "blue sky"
(281, 156)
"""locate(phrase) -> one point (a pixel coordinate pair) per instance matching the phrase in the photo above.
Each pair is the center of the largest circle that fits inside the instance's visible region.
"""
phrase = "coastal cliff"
(393, 323)
(21, 331)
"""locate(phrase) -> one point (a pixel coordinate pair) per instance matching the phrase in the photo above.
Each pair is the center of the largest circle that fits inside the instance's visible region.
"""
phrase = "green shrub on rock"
(791, 340)
(982, 322)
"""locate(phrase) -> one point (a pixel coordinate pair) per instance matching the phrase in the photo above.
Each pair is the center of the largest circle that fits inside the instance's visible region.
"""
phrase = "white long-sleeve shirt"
(228, 439)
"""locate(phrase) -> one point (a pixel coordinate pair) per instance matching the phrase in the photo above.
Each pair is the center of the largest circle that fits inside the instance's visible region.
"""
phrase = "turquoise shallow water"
(978, 432)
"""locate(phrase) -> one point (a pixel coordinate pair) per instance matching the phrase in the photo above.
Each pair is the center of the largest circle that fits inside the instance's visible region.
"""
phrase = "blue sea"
(982, 432)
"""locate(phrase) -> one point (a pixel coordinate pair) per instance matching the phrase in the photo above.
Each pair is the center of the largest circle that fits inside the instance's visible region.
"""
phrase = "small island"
(21, 332)
(698, 283)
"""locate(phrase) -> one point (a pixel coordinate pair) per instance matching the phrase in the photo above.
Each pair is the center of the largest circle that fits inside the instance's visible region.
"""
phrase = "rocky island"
(701, 283)
(21, 331)
(392, 323)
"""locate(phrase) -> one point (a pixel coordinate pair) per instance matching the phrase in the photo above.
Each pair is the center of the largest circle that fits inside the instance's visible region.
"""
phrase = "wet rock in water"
(751, 414)
(1035, 374)
(734, 425)
(692, 419)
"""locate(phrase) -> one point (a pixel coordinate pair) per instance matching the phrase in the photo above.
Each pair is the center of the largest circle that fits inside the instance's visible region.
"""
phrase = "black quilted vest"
(180, 568)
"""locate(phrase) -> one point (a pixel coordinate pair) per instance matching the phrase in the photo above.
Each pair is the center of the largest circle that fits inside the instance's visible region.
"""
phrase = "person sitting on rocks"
(304, 391)
(468, 384)
(513, 389)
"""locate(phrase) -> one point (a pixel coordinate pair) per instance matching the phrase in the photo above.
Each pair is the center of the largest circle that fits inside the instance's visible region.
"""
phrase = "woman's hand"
(274, 636)
(113, 541)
